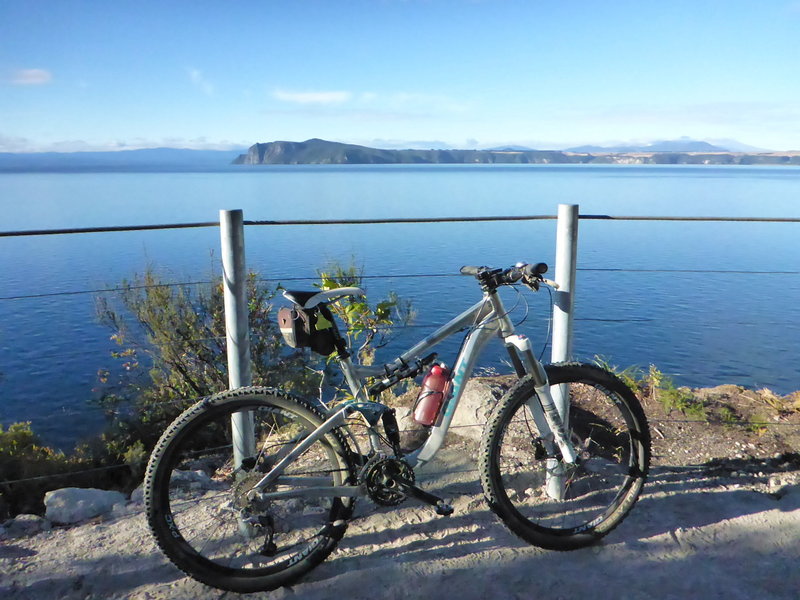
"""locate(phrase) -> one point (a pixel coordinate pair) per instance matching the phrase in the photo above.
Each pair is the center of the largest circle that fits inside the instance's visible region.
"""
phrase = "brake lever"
(533, 283)
(550, 282)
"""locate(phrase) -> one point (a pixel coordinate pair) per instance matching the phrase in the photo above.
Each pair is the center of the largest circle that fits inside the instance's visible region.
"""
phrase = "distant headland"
(679, 152)
(321, 152)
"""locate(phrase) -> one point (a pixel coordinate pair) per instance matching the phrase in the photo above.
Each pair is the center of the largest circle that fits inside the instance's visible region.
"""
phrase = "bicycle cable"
(527, 306)
(522, 298)
(475, 326)
(549, 333)
(527, 313)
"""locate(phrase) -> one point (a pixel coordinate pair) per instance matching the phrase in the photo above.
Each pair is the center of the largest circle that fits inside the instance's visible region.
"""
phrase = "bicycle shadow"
(408, 551)
(699, 496)
(91, 578)
(666, 570)
(13, 551)
(675, 498)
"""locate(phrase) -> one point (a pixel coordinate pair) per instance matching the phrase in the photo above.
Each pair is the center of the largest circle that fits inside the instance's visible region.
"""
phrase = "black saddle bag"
(308, 328)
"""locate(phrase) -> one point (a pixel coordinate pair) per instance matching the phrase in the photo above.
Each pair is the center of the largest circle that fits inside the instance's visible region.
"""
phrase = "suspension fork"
(543, 408)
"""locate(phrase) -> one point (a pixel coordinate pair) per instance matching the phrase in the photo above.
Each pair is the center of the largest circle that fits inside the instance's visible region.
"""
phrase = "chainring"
(379, 478)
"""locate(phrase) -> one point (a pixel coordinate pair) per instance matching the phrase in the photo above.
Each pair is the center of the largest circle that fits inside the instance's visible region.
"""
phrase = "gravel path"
(694, 533)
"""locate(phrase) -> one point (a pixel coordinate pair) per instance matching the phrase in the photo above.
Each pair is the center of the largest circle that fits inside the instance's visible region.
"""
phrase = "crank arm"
(442, 508)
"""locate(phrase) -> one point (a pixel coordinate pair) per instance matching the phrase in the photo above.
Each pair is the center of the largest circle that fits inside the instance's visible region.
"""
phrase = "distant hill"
(510, 149)
(681, 145)
(316, 151)
(123, 160)
(321, 152)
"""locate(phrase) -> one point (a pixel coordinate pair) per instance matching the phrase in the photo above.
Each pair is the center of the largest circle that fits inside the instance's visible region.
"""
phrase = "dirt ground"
(719, 518)
(733, 424)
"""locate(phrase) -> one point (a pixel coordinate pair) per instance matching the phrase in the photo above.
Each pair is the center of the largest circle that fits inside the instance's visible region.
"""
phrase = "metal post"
(234, 279)
(566, 265)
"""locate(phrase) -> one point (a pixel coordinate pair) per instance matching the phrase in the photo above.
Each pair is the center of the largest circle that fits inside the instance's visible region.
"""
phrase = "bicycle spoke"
(228, 529)
(560, 505)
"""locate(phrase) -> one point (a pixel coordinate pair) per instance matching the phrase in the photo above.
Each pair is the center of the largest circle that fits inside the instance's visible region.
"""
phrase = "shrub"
(178, 332)
(27, 467)
(662, 388)
(172, 351)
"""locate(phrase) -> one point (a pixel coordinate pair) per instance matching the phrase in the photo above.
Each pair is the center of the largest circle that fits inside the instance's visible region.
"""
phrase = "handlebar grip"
(470, 270)
(535, 270)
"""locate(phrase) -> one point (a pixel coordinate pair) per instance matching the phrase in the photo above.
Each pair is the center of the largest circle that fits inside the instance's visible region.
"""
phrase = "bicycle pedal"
(443, 509)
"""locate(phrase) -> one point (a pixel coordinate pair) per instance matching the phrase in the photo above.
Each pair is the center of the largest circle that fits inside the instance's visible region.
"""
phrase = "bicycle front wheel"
(199, 509)
(557, 505)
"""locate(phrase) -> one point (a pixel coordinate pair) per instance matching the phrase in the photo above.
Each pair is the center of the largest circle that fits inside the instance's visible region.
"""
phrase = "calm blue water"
(703, 328)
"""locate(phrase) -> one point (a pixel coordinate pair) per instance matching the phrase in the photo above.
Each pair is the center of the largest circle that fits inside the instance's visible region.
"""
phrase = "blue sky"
(541, 73)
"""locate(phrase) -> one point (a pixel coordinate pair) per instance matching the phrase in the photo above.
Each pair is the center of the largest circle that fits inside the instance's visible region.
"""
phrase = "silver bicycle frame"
(486, 319)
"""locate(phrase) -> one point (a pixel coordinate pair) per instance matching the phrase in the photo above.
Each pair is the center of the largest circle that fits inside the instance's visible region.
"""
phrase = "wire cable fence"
(413, 220)
(400, 220)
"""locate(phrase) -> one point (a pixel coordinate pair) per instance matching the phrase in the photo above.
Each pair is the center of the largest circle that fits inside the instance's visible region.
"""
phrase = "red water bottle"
(431, 396)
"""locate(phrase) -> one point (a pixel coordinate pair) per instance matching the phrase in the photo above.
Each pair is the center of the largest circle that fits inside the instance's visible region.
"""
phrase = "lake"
(647, 292)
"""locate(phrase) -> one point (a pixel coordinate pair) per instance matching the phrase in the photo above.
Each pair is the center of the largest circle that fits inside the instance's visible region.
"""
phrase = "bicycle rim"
(562, 506)
(205, 521)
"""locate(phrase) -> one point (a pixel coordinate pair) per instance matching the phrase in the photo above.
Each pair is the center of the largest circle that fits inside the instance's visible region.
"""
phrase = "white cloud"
(14, 144)
(198, 79)
(330, 97)
(31, 77)
(368, 105)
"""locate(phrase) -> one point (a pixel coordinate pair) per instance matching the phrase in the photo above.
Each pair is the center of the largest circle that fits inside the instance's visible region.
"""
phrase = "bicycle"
(254, 508)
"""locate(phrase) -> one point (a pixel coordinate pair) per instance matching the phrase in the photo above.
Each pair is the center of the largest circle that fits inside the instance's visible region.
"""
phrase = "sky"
(543, 74)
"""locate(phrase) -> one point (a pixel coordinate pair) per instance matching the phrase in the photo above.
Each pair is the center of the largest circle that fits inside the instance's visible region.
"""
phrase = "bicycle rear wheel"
(197, 504)
(609, 430)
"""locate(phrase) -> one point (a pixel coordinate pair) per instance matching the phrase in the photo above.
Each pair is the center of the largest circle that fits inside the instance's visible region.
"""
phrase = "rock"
(412, 435)
(23, 525)
(71, 505)
(404, 418)
(719, 392)
(124, 509)
(137, 495)
(192, 480)
(476, 403)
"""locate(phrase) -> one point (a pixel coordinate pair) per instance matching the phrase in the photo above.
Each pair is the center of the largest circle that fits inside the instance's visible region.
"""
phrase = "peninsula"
(322, 152)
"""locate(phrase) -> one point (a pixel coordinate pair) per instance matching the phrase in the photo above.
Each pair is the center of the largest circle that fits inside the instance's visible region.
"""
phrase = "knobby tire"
(197, 505)
(610, 432)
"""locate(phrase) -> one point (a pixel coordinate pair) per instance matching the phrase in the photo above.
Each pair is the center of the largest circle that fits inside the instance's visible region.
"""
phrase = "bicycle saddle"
(313, 298)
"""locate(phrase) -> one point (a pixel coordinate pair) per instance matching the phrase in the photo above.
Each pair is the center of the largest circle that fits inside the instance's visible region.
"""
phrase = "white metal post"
(234, 279)
(566, 266)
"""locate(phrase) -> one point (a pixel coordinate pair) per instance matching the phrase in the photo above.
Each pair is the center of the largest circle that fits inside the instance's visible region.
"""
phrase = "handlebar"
(531, 275)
